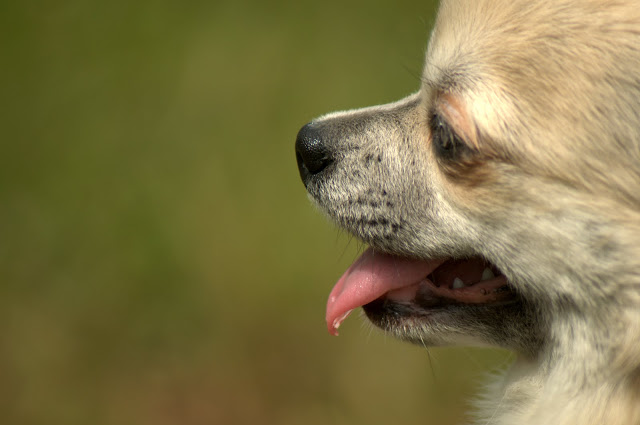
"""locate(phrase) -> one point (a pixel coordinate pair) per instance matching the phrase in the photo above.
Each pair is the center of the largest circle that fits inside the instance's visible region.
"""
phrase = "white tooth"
(457, 283)
(487, 274)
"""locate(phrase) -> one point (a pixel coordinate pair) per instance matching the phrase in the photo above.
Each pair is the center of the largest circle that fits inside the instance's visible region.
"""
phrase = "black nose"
(312, 154)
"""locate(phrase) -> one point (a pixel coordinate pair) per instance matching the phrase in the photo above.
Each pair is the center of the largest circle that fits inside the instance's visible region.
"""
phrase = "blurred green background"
(159, 260)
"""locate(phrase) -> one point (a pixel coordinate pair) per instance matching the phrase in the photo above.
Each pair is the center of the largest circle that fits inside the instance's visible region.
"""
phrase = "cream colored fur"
(546, 96)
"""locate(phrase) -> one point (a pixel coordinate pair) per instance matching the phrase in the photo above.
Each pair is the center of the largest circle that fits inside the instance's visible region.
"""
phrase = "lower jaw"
(401, 315)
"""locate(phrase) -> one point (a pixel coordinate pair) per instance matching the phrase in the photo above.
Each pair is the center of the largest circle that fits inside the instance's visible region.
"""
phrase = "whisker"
(433, 372)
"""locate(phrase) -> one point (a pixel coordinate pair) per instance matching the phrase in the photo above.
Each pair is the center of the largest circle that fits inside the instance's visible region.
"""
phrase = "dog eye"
(446, 143)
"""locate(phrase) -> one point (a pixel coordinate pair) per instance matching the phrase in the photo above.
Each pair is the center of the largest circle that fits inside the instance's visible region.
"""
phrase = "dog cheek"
(482, 189)
(469, 173)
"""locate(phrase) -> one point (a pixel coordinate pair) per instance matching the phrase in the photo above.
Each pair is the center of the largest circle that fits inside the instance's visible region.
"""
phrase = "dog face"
(501, 202)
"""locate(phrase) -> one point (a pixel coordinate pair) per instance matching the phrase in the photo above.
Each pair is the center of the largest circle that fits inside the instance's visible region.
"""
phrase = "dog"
(501, 203)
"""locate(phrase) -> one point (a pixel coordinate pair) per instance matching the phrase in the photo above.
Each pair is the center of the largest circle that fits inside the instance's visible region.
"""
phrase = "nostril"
(311, 152)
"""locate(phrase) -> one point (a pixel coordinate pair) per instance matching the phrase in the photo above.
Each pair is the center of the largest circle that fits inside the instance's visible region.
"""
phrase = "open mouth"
(427, 283)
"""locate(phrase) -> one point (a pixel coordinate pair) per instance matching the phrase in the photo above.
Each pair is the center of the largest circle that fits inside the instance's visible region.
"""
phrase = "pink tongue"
(370, 277)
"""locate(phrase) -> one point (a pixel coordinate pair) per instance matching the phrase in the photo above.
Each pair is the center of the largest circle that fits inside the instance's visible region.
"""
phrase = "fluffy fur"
(544, 97)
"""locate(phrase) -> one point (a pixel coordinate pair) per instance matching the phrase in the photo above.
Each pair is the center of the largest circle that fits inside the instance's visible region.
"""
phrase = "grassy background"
(159, 260)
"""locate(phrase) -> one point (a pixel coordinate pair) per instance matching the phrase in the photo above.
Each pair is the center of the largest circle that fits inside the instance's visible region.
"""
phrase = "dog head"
(501, 202)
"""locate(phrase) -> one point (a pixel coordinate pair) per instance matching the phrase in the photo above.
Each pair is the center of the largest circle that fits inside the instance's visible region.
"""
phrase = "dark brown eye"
(446, 143)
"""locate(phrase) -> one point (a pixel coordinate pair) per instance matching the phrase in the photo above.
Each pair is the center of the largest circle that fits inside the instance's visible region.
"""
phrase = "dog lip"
(483, 292)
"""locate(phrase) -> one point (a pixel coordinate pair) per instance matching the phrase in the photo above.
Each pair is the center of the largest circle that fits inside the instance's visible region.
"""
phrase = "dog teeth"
(487, 274)
(457, 283)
